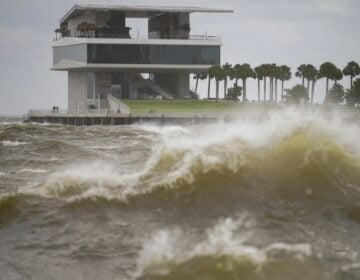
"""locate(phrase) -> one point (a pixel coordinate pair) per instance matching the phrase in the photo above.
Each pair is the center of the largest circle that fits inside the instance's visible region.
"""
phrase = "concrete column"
(77, 91)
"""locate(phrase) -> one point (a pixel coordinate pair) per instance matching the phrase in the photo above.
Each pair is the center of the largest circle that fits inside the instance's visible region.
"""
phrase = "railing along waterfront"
(60, 113)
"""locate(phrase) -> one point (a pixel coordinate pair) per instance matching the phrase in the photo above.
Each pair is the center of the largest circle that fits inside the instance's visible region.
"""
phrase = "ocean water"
(271, 198)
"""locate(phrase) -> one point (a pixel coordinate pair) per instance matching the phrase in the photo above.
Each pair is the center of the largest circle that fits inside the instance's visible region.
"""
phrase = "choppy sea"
(276, 198)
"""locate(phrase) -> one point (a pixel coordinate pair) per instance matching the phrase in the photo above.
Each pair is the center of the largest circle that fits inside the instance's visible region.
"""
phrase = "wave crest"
(223, 252)
(287, 156)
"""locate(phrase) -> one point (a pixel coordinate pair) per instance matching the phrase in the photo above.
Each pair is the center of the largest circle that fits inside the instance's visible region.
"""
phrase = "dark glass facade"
(121, 80)
(153, 54)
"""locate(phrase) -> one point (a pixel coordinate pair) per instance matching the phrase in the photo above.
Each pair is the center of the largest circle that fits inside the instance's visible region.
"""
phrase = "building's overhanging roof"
(72, 65)
(138, 11)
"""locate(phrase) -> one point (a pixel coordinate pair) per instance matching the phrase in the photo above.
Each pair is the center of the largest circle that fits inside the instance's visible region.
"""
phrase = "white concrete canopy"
(73, 65)
(137, 11)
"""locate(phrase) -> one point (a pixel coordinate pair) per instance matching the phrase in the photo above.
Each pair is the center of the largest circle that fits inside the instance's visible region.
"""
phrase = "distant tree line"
(271, 75)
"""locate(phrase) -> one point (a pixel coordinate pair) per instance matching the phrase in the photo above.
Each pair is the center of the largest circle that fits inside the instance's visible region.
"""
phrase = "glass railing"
(204, 37)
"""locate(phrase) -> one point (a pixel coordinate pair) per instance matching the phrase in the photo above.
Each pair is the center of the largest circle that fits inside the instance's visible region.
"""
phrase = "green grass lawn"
(185, 106)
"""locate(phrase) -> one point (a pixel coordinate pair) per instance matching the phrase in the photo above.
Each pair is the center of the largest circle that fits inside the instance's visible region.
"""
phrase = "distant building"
(94, 45)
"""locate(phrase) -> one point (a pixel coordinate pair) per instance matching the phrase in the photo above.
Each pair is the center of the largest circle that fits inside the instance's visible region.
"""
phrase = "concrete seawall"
(127, 120)
(180, 118)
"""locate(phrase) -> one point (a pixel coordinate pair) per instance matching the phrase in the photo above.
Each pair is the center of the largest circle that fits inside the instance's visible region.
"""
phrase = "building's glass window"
(154, 54)
(120, 85)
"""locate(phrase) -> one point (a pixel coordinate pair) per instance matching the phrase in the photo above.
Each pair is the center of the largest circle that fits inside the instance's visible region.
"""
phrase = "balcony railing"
(143, 37)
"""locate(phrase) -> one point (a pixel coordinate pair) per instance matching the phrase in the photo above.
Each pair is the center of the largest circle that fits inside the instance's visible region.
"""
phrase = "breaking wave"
(290, 153)
(224, 252)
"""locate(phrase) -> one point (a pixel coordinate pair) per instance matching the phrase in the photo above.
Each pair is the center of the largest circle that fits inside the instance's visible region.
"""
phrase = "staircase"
(153, 86)
(117, 106)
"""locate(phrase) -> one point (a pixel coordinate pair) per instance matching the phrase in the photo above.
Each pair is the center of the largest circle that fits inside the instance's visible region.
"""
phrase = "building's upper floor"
(109, 21)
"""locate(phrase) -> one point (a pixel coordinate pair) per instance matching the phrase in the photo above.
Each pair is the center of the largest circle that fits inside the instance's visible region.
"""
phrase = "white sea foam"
(169, 129)
(226, 238)
(110, 147)
(30, 170)
(2, 174)
(13, 143)
(87, 181)
(352, 266)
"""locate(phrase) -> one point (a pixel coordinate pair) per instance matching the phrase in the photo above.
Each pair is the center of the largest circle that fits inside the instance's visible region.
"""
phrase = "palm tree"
(310, 74)
(221, 76)
(271, 71)
(201, 76)
(284, 75)
(244, 72)
(329, 71)
(352, 96)
(352, 69)
(218, 73)
(211, 75)
(228, 69)
(266, 70)
(235, 73)
(277, 77)
(273, 81)
(196, 77)
(259, 76)
(271, 74)
(338, 75)
(300, 73)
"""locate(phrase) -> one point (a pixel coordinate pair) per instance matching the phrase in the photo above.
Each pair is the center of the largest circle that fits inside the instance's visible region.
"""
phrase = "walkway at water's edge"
(174, 118)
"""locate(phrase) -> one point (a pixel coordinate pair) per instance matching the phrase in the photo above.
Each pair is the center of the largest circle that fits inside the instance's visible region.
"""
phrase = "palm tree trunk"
(303, 81)
(209, 84)
(217, 89)
(258, 90)
(327, 89)
(225, 88)
(236, 81)
(244, 86)
(308, 89)
(276, 90)
(269, 89)
(197, 83)
(264, 88)
(312, 91)
(282, 90)
(351, 82)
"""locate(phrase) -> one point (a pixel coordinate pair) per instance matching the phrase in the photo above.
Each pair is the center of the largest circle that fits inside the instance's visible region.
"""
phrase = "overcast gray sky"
(288, 32)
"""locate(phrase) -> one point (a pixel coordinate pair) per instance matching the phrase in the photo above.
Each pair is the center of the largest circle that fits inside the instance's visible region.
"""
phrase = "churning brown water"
(272, 199)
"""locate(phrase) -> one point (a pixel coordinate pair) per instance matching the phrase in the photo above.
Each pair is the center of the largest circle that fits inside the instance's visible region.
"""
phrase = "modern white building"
(104, 63)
